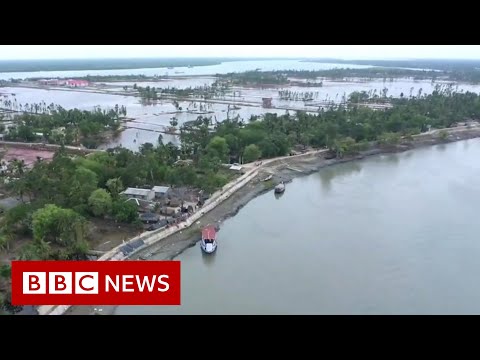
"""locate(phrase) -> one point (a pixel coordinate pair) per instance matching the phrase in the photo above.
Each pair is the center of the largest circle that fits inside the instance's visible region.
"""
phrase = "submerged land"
(75, 181)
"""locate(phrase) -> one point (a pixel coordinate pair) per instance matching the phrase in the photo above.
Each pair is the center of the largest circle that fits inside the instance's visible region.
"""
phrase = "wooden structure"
(267, 102)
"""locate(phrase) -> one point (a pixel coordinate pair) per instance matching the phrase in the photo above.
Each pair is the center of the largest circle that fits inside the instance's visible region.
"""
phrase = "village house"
(77, 83)
(267, 103)
(161, 192)
(142, 194)
(236, 167)
(52, 82)
(149, 218)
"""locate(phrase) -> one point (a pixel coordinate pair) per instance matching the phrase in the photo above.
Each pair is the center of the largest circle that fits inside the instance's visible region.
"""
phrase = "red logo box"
(96, 282)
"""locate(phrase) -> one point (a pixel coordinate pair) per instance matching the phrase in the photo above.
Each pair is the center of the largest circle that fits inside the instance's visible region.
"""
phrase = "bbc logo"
(60, 283)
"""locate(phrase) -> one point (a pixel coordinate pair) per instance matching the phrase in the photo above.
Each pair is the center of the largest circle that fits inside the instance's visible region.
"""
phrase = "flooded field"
(149, 120)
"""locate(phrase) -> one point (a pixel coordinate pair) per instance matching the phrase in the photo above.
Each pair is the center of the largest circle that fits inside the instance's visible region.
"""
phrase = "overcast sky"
(14, 52)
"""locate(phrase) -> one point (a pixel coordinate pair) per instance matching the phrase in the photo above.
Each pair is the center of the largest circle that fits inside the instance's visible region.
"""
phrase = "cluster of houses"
(64, 82)
(163, 206)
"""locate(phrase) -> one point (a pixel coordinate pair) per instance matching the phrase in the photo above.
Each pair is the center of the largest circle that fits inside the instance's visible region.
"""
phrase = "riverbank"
(285, 170)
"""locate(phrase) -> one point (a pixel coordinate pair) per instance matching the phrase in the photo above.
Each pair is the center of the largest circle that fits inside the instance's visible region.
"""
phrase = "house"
(51, 82)
(149, 218)
(161, 191)
(189, 207)
(174, 202)
(236, 168)
(169, 211)
(186, 162)
(142, 194)
(77, 83)
(267, 102)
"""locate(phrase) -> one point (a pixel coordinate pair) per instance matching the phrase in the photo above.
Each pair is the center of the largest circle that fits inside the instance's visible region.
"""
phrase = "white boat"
(280, 188)
(269, 177)
(209, 239)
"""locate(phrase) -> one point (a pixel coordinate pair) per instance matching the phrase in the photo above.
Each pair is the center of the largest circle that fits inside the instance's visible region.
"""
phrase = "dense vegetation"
(434, 64)
(254, 78)
(282, 77)
(296, 95)
(201, 92)
(451, 70)
(62, 195)
(336, 126)
(56, 125)
(5, 281)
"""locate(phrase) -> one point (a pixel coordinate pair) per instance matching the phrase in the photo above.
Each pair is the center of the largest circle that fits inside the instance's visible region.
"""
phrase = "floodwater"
(223, 68)
(150, 120)
(391, 234)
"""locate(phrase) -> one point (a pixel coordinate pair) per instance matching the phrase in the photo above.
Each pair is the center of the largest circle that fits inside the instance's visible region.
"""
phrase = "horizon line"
(244, 58)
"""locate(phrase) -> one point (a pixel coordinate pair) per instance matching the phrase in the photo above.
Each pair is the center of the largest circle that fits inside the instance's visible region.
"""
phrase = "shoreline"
(287, 170)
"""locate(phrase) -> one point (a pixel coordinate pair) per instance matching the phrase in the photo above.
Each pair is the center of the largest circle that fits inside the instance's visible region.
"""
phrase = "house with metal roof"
(161, 191)
(142, 194)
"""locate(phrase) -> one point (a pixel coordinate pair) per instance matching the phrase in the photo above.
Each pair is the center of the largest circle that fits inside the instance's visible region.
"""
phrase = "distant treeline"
(101, 64)
(255, 77)
(454, 70)
(105, 78)
(432, 64)
(470, 75)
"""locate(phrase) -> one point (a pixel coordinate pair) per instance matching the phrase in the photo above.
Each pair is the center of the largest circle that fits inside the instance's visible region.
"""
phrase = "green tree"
(5, 271)
(251, 153)
(218, 147)
(56, 224)
(18, 220)
(84, 182)
(344, 146)
(100, 202)
(5, 240)
(125, 211)
(173, 122)
(35, 250)
(389, 138)
(115, 186)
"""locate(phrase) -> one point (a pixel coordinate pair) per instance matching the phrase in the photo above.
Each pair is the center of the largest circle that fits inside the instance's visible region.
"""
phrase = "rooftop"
(161, 189)
(137, 192)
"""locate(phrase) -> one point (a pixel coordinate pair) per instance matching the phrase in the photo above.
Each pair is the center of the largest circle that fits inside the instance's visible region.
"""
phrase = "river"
(222, 68)
(391, 234)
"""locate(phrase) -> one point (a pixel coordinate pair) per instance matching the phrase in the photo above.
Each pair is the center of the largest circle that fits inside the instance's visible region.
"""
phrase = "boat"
(209, 239)
(280, 188)
(269, 177)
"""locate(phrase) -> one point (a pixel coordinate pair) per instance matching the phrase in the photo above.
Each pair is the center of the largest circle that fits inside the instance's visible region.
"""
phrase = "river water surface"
(391, 234)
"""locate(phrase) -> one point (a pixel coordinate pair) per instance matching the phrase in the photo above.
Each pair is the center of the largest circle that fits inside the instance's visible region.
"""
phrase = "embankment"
(234, 196)
(48, 147)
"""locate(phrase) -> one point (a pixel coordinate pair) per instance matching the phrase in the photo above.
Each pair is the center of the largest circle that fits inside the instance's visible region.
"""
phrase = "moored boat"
(280, 188)
(209, 239)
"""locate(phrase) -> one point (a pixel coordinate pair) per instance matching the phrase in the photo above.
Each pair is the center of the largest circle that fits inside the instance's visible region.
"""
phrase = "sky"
(33, 52)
